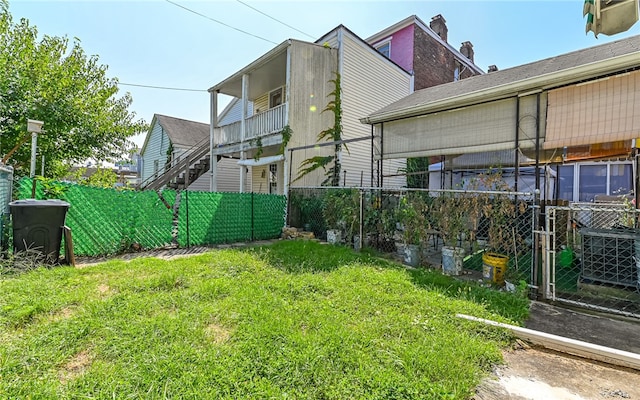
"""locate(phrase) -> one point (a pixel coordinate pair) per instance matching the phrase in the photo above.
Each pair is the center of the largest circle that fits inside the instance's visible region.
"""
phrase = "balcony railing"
(261, 124)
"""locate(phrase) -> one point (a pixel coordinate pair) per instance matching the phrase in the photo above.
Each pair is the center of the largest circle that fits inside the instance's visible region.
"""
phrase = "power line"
(275, 19)
(161, 87)
(220, 22)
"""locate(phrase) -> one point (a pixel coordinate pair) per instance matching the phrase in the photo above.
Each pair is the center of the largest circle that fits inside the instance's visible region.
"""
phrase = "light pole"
(34, 127)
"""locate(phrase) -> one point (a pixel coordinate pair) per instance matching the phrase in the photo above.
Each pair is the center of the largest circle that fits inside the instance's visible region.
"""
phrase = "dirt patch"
(75, 366)
(217, 334)
(63, 313)
(537, 374)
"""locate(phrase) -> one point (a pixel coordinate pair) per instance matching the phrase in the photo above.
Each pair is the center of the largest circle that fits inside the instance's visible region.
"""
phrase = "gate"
(591, 256)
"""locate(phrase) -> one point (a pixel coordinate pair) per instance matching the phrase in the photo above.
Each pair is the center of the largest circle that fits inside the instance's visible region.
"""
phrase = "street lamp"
(34, 127)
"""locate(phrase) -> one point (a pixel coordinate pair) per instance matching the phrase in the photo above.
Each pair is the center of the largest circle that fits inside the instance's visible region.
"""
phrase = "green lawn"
(293, 320)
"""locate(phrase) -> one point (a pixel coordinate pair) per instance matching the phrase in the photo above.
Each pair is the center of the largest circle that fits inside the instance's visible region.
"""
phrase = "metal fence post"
(360, 237)
(535, 231)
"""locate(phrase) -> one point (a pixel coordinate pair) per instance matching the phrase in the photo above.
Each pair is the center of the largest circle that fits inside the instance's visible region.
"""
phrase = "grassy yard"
(295, 320)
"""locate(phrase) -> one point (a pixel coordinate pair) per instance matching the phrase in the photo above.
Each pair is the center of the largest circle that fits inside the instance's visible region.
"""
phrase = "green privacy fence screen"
(109, 221)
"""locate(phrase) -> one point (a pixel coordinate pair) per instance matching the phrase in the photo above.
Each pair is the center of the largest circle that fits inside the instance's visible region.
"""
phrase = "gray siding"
(155, 149)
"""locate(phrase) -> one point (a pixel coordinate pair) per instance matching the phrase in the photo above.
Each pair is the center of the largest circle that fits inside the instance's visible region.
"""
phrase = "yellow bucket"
(493, 267)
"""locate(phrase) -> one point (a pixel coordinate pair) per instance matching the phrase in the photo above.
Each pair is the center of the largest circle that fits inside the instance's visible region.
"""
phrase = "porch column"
(213, 160)
(243, 127)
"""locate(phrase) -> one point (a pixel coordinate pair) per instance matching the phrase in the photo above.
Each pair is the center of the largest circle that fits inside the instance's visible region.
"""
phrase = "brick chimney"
(439, 25)
(492, 68)
(467, 50)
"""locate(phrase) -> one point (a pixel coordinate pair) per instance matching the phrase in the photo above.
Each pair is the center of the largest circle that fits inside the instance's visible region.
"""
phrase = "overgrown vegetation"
(297, 319)
(331, 163)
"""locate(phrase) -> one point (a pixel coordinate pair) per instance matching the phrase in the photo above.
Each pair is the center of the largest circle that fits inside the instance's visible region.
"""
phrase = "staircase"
(195, 163)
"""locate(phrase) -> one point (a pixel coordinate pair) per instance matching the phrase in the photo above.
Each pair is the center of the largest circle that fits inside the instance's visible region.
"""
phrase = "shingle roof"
(479, 83)
(183, 132)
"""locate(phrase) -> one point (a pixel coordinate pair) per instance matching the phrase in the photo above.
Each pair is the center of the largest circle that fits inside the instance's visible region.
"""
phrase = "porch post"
(213, 160)
(243, 126)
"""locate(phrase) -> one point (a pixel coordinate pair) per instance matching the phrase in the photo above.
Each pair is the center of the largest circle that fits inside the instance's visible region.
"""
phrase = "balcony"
(258, 125)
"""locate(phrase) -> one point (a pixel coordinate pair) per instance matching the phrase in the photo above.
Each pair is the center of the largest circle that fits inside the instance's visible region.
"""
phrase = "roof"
(540, 75)
(183, 132)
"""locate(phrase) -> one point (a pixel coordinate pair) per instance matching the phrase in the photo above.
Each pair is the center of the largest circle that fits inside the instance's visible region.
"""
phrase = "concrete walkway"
(597, 328)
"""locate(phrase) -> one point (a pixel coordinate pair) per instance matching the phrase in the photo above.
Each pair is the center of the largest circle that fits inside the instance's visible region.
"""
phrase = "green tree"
(417, 171)
(53, 80)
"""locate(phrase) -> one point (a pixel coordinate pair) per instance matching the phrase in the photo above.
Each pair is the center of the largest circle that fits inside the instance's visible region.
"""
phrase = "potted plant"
(411, 216)
(341, 212)
(450, 214)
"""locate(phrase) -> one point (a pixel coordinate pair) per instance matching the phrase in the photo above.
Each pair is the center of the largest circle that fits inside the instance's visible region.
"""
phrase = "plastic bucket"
(493, 267)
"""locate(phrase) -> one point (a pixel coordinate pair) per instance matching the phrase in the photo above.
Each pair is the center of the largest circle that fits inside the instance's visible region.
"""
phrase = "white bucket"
(452, 258)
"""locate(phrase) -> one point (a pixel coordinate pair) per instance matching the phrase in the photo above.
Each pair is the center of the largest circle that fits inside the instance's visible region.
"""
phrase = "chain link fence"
(109, 221)
(592, 256)
(489, 233)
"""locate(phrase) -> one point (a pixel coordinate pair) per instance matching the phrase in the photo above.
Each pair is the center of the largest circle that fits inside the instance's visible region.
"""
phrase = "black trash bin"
(37, 225)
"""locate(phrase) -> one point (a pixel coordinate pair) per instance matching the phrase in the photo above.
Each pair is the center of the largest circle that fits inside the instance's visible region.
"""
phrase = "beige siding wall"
(312, 67)
(261, 103)
(260, 176)
(368, 84)
(260, 184)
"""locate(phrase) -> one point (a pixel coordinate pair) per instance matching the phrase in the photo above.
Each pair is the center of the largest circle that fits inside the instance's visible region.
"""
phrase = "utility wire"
(275, 19)
(162, 87)
(220, 22)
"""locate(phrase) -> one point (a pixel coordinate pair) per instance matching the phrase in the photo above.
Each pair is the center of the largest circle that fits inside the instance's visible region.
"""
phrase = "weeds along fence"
(592, 256)
(479, 222)
(109, 221)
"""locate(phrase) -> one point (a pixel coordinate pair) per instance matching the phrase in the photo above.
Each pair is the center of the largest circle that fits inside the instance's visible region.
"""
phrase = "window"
(620, 179)
(273, 178)
(385, 49)
(583, 182)
(275, 98)
(592, 181)
(565, 182)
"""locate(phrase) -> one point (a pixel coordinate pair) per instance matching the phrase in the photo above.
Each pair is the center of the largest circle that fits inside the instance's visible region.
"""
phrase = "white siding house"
(288, 87)
(170, 140)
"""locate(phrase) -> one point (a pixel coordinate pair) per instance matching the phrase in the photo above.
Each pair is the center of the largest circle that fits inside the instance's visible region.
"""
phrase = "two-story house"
(289, 87)
(270, 126)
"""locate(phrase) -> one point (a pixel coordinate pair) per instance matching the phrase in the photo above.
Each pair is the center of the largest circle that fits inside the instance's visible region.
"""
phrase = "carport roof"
(551, 72)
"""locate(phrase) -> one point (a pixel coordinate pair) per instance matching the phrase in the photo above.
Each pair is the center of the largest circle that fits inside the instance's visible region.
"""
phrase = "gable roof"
(574, 67)
(183, 132)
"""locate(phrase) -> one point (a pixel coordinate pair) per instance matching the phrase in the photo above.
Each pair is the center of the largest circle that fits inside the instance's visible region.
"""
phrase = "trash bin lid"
(39, 203)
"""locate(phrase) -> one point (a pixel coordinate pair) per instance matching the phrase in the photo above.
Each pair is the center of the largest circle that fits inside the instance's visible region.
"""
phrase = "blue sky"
(156, 43)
